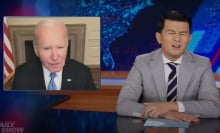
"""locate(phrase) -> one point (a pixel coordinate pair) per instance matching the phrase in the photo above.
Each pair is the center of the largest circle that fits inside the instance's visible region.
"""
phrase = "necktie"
(172, 83)
(52, 85)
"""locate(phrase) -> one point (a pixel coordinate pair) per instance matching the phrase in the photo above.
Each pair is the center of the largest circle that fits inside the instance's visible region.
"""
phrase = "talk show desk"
(95, 111)
(75, 121)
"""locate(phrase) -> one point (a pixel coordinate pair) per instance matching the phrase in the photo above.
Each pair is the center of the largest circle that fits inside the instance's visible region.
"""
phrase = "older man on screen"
(52, 70)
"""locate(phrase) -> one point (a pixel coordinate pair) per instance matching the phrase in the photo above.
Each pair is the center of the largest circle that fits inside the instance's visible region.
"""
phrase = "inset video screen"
(37, 48)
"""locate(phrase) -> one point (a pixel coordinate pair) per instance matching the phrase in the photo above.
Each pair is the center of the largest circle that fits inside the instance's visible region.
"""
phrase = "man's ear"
(35, 50)
(158, 37)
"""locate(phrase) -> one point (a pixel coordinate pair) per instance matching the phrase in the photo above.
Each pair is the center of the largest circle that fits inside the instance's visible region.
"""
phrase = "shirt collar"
(47, 72)
(178, 61)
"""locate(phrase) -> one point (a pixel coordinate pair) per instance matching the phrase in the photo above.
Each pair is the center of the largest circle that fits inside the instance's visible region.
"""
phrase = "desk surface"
(132, 125)
(103, 100)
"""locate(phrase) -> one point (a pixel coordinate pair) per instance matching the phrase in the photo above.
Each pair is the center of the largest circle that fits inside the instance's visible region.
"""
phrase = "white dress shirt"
(167, 70)
(57, 79)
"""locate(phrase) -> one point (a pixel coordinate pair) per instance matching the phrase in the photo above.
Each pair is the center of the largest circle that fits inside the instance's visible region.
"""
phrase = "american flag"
(9, 67)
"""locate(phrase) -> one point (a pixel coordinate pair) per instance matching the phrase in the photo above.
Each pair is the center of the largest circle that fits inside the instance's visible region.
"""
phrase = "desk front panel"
(34, 113)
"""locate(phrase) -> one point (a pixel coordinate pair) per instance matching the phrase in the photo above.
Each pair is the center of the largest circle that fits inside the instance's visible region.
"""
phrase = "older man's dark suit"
(76, 76)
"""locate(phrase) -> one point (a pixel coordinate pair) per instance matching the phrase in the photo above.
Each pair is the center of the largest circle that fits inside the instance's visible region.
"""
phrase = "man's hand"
(157, 109)
(180, 116)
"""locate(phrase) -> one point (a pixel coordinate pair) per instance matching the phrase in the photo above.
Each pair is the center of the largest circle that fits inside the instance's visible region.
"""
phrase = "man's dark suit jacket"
(29, 76)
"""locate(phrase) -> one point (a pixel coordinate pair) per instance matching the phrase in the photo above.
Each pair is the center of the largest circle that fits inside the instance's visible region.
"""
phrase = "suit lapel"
(66, 78)
(66, 82)
(42, 81)
(185, 74)
(157, 68)
(40, 84)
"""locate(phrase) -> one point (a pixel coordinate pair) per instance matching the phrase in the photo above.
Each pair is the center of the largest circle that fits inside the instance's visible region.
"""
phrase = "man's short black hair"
(173, 15)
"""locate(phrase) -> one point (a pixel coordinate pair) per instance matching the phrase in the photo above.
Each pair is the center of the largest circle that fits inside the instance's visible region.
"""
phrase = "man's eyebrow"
(170, 30)
(183, 32)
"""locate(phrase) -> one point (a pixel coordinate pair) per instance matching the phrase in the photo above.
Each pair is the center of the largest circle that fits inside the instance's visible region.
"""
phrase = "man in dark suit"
(52, 71)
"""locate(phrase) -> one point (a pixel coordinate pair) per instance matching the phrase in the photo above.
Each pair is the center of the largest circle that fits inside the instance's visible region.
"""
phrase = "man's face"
(52, 47)
(174, 38)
